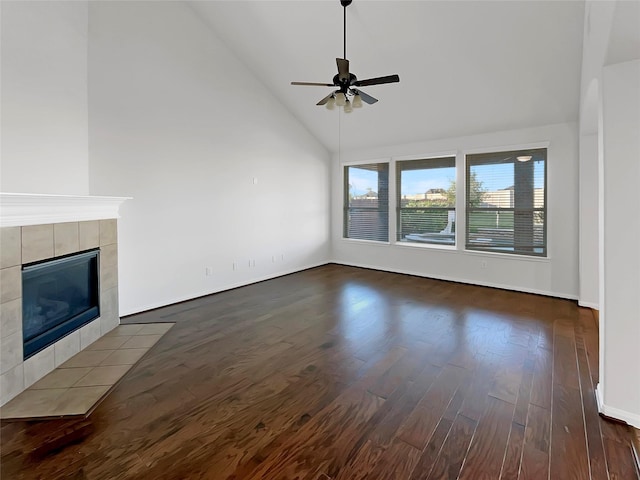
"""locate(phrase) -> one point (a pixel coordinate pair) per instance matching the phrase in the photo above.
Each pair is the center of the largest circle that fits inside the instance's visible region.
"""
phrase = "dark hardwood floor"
(345, 373)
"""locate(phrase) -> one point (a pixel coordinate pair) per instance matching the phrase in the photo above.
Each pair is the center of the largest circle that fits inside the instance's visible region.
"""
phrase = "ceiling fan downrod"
(345, 4)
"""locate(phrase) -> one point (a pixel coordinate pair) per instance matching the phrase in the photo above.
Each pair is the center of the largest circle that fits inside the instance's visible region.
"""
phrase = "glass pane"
(368, 224)
(367, 202)
(506, 202)
(427, 199)
(59, 296)
(490, 186)
(435, 226)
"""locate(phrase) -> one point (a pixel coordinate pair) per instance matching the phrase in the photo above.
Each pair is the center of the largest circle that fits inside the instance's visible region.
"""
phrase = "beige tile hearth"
(108, 343)
(123, 356)
(87, 358)
(61, 378)
(81, 382)
(107, 375)
(141, 341)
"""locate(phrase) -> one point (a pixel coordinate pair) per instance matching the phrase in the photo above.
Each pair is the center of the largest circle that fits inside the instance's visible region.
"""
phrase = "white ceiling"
(465, 67)
(624, 40)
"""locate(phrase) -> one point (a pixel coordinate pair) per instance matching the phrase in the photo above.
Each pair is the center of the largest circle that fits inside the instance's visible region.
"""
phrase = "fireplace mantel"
(22, 209)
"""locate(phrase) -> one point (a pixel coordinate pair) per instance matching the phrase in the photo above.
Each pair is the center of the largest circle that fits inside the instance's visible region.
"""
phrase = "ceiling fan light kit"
(346, 96)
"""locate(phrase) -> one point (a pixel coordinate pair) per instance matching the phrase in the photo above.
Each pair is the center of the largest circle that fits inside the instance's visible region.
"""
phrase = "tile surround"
(66, 347)
(39, 365)
(26, 244)
(10, 317)
(11, 251)
(37, 243)
(10, 352)
(12, 382)
(89, 334)
(66, 238)
(89, 234)
(108, 232)
(10, 284)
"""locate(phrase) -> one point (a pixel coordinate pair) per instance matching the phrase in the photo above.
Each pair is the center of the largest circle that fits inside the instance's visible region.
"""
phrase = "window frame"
(345, 196)
(397, 170)
(512, 150)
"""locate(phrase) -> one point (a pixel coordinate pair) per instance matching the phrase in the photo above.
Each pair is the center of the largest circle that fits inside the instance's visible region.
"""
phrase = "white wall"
(182, 126)
(607, 113)
(597, 28)
(620, 380)
(44, 98)
(556, 275)
(588, 243)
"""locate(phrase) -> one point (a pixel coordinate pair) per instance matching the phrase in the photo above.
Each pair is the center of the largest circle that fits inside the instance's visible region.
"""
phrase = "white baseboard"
(629, 418)
(591, 305)
(567, 296)
(231, 286)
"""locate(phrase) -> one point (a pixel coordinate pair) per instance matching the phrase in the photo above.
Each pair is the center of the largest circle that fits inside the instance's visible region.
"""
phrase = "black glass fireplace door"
(58, 297)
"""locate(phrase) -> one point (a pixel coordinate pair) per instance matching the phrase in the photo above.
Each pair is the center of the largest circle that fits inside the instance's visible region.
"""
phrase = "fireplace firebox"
(58, 297)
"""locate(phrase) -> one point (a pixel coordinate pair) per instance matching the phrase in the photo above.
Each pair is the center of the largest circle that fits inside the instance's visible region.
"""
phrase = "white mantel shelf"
(21, 209)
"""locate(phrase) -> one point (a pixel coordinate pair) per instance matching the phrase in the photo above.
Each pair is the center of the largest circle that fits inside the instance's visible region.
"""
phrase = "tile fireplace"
(40, 230)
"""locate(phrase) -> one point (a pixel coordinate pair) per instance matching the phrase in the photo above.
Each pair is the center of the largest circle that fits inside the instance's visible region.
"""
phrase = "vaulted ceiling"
(465, 67)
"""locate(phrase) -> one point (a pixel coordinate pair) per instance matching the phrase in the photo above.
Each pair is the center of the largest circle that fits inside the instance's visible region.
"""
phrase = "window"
(366, 202)
(506, 202)
(426, 201)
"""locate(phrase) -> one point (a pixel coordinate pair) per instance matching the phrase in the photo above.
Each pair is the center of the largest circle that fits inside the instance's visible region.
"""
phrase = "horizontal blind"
(366, 202)
(506, 202)
(426, 201)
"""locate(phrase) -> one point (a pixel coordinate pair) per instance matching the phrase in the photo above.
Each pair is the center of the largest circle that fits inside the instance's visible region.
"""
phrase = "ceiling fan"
(347, 95)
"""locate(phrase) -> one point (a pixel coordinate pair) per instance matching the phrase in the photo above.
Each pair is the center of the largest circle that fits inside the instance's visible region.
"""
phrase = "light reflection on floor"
(369, 319)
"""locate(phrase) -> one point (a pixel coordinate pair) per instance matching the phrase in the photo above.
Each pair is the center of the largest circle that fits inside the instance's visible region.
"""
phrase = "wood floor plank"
(430, 453)
(508, 378)
(524, 398)
(542, 378)
(342, 372)
(569, 457)
(401, 408)
(454, 449)
(513, 456)
(421, 423)
(620, 468)
(595, 445)
(477, 396)
(324, 442)
(537, 441)
(486, 453)
(565, 367)
(405, 369)
(396, 463)
(361, 465)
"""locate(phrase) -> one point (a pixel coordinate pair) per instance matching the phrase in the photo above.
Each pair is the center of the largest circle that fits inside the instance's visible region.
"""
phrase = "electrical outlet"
(208, 271)
(483, 264)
